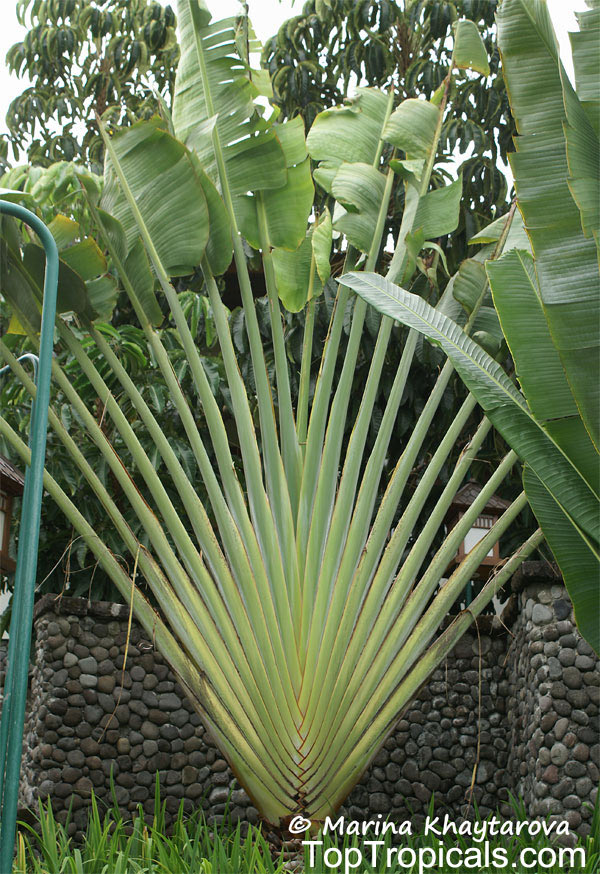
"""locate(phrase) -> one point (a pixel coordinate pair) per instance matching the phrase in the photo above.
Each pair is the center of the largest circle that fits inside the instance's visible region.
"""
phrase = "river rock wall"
(516, 703)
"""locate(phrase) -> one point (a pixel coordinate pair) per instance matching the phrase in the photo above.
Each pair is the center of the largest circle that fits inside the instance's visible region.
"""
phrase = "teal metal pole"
(15, 685)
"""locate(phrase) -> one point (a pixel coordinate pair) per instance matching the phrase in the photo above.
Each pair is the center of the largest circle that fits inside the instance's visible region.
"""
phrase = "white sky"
(266, 16)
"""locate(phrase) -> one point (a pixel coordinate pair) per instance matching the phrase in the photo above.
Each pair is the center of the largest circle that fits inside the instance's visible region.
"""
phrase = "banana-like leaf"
(91, 299)
(137, 268)
(543, 102)
(349, 133)
(85, 258)
(219, 248)
(64, 230)
(286, 208)
(493, 389)
(469, 49)
(296, 275)
(359, 190)
(321, 242)
(516, 239)
(517, 299)
(437, 212)
(253, 158)
(165, 183)
(584, 45)
(412, 127)
(469, 284)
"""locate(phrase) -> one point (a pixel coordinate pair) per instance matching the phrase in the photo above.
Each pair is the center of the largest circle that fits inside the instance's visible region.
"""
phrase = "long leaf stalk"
(393, 659)
(208, 704)
(352, 619)
(189, 597)
(408, 687)
(274, 469)
(241, 594)
(190, 611)
(312, 542)
(261, 513)
(318, 423)
(231, 485)
(346, 491)
(307, 344)
(354, 575)
(290, 447)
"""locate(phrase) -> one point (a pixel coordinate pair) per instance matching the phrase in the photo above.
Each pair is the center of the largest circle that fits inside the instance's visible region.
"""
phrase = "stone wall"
(519, 698)
(552, 707)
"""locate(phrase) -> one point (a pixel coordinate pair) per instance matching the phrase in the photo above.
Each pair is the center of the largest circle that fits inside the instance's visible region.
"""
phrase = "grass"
(114, 845)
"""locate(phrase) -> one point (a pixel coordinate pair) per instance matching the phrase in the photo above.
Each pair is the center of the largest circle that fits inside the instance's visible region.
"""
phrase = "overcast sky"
(266, 15)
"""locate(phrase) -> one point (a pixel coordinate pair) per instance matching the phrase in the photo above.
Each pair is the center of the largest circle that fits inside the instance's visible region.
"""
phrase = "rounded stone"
(550, 775)
(583, 786)
(106, 684)
(76, 758)
(572, 677)
(149, 730)
(88, 681)
(561, 727)
(541, 614)
(581, 752)
(575, 769)
(559, 754)
(88, 665)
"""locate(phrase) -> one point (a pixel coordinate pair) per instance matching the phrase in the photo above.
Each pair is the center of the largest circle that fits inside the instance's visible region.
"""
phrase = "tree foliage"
(320, 55)
(86, 57)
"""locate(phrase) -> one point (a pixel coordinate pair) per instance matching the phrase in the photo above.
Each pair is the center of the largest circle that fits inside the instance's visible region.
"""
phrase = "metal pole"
(15, 684)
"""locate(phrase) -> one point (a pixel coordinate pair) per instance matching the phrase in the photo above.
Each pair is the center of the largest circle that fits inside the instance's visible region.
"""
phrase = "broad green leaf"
(72, 292)
(470, 283)
(491, 233)
(469, 49)
(85, 258)
(412, 127)
(288, 206)
(516, 239)
(296, 275)
(583, 161)
(409, 170)
(516, 296)
(256, 163)
(585, 44)
(137, 268)
(219, 248)
(358, 189)
(438, 211)
(253, 159)
(349, 133)
(102, 295)
(167, 191)
(321, 243)
(17, 290)
(566, 261)
(502, 402)
(293, 141)
(64, 230)
(115, 233)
